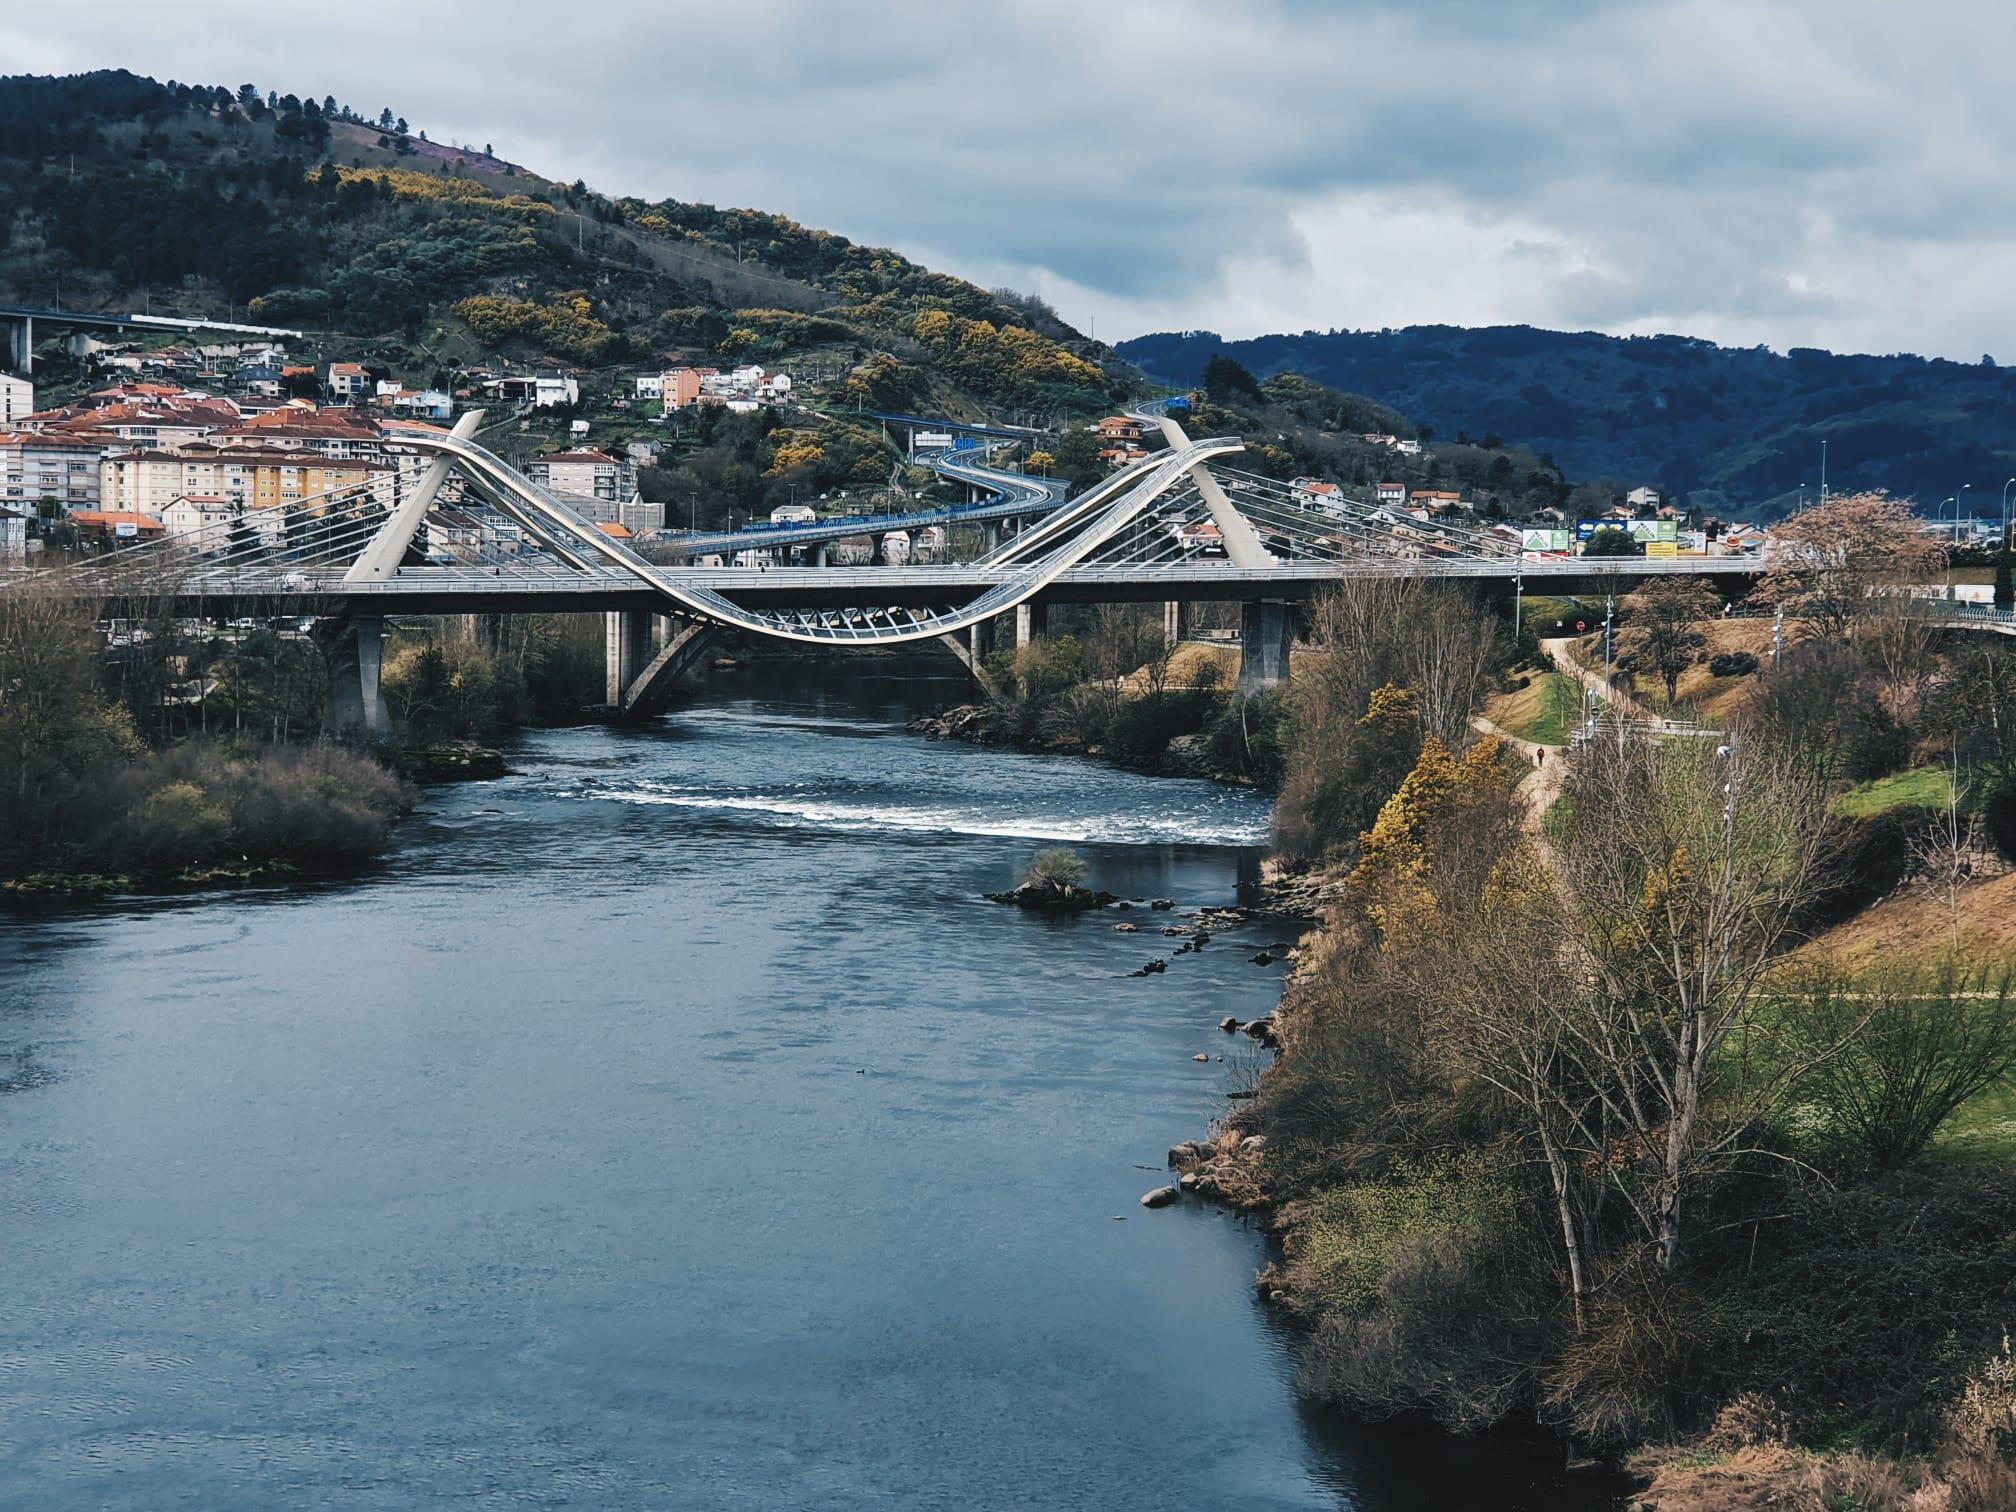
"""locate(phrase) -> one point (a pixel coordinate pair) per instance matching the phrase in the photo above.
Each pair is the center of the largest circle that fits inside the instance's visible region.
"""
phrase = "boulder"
(1187, 1181)
(1201, 1056)
(1229, 1024)
(1160, 1197)
(1253, 1144)
(1263, 959)
(1163, 905)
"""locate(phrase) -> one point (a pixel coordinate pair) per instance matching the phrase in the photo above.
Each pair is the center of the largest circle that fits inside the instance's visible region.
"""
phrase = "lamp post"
(1956, 511)
(2005, 513)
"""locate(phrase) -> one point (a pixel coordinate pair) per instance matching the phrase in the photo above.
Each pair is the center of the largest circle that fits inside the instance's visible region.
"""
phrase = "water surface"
(669, 1124)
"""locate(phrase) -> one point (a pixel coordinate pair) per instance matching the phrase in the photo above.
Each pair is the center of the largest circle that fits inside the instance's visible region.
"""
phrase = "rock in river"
(1160, 1197)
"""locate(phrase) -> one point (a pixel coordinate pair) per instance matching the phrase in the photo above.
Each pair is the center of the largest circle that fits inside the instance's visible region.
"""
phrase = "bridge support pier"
(1173, 622)
(21, 346)
(356, 703)
(626, 647)
(1265, 629)
(1032, 622)
(819, 559)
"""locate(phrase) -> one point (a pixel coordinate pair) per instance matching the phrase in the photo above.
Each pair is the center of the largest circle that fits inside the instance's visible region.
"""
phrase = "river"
(668, 1124)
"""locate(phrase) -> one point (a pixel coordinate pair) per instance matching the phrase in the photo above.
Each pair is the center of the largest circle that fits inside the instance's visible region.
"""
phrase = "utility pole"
(1823, 472)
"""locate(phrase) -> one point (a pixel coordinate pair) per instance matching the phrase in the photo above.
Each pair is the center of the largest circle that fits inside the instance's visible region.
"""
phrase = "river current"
(669, 1124)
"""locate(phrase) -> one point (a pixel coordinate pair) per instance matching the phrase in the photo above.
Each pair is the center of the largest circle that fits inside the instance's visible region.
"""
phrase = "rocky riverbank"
(988, 724)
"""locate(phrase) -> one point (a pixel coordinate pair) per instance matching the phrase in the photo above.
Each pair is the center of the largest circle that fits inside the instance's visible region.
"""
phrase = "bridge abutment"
(1265, 631)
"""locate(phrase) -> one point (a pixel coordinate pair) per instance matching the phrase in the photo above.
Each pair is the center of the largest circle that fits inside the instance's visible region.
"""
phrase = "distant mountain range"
(1729, 428)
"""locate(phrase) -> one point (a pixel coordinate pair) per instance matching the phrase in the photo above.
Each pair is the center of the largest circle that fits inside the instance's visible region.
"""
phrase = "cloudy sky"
(1834, 173)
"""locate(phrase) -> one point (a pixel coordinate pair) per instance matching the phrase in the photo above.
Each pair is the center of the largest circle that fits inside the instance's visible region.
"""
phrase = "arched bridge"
(1183, 523)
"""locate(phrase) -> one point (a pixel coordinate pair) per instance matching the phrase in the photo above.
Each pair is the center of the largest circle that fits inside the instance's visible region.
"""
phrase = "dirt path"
(1559, 652)
(1540, 787)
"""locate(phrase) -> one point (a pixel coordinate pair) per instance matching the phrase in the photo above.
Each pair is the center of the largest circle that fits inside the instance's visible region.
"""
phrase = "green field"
(1926, 787)
(1544, 711)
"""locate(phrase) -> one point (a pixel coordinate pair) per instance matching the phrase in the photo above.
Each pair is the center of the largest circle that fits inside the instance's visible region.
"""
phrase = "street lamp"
(2005, 513)
(1956, 512)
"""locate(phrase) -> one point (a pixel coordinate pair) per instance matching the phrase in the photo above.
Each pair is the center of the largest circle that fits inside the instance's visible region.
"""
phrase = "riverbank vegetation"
(110, 777)
(1594, 1108)
(1105, 682)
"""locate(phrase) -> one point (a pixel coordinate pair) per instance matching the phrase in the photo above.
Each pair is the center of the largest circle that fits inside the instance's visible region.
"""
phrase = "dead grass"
(1914, 925)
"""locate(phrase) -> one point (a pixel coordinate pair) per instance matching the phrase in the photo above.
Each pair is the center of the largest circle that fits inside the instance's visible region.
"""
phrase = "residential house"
(589, 474)
(13, 536)
(1316, 493)
(199, 521)
(423, 404)
(650, 386)
(37, 465)
(106, 527)
(17, 399)
(348, 382)
(1644, 500)
(1436, 498)
(1394, 494)
(1407, 448)
(681, 388)
(1120, 430)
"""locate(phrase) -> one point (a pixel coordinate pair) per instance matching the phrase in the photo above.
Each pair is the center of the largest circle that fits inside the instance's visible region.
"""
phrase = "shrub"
(1429, 1305)
(1055, 866)
(1731, 664)
(1914, 1046)
(202, 802)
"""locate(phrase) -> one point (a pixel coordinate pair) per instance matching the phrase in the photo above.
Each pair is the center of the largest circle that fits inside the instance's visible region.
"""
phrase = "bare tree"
(1833, 558)
(1692, 863)
(1664, 636)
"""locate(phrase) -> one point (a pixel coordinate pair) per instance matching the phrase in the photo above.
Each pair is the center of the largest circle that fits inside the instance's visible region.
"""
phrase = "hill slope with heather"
(119, 192)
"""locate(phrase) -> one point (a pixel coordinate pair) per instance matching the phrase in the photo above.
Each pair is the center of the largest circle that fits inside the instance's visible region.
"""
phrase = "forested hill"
(1728, 428)
(118, 192)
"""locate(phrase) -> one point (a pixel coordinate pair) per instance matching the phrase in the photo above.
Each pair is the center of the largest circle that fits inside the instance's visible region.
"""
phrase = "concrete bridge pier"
(626, 647)
(1032, 622)
(1265, 631)
(1173, 624)
(819, 557)
(356, 703)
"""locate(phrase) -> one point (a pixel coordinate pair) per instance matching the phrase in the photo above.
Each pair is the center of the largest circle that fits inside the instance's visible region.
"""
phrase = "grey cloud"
(1138, 151)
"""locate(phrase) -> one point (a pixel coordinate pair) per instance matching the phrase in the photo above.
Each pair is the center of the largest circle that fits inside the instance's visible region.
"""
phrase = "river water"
(669, 1124)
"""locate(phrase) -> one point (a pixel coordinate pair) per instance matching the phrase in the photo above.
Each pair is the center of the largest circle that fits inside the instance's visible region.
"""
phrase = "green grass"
(1983, 1129)
(1544, 710)
(1539, 611)
(1927, 787)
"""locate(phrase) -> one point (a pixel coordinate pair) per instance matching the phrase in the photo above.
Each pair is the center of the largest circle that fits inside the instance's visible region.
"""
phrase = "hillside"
(1728, 429)
(119, 192)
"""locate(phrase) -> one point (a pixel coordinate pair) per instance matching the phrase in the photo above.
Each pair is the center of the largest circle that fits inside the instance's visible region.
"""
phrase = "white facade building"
(17, 398)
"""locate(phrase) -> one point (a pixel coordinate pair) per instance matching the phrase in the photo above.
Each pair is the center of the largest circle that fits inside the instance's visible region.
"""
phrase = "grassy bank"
(1688, 1130)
